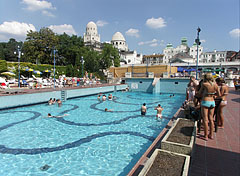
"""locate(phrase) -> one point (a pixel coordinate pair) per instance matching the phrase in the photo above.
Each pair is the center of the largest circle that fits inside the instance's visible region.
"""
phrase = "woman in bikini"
(208, 89)
(223, 94)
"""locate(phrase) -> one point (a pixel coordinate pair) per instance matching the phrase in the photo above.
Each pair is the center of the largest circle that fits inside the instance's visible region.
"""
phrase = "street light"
(54, 61)
(198, 43)
(82, 61)
(147, 67)
(19, 57)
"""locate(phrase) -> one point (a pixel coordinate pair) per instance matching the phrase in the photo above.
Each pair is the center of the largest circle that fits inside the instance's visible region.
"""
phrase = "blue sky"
(147, 25)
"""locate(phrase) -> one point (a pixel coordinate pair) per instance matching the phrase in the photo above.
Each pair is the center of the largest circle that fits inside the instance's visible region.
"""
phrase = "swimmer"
(104, 98)
(59, 102)
(107, 110)
(143, 109)
(99, 97)
(49, 115)
(159, 111)
(50, 101)
(110, 97)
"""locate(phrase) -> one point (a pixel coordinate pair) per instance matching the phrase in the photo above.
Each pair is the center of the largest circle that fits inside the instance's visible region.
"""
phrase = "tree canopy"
(40, 46)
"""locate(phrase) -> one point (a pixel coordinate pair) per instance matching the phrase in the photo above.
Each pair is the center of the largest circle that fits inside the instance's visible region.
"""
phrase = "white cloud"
(132, 32)
(203, 41)
(156, 23)
(60, 29)
(47, 13)
(101, 23)
(15, 29)
(235, 33)
(148, 42)
(39, 5)
(153, 44)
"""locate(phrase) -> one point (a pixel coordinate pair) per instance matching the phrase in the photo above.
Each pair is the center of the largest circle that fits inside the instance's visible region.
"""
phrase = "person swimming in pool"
(159, 111)
(50, 115)
(143, 109)
(108, 110)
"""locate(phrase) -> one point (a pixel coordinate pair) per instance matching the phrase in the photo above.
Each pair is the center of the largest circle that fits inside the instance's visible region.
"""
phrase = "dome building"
(119, 42)
(126, 57)
(91, 37)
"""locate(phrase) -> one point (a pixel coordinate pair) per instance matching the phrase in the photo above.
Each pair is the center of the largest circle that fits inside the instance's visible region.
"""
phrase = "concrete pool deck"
(218, 157)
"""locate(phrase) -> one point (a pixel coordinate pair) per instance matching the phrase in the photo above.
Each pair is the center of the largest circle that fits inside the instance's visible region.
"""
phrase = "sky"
(147, 25)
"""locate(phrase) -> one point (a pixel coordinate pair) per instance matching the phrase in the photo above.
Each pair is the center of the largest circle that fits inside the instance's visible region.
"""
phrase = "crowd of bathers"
(202, 96)
(53, 101)
(103, 97)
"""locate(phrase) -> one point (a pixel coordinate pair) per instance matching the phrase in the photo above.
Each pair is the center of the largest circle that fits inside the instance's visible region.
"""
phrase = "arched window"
(120, 43)
(116, 43)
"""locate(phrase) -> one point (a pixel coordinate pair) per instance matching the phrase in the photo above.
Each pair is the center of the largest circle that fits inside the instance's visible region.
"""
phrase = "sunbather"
(208, 89)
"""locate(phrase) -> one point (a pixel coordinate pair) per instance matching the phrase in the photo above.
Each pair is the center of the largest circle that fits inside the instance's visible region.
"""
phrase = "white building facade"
(193, 51)
(169, 51)
(91, 37)
(215, 56)
(126, 56)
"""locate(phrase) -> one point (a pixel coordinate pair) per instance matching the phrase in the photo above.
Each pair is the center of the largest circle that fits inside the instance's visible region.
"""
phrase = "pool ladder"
(64, 95)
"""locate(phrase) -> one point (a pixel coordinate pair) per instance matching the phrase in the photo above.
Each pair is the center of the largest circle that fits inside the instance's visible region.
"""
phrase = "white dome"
(118, 37)
(92, 25)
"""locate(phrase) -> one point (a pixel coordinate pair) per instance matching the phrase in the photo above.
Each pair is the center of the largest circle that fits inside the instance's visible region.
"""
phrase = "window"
(120, 43)
(192, 50)
(116, 43)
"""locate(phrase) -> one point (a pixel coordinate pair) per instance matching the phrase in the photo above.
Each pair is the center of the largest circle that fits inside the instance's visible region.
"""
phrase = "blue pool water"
(88, 141)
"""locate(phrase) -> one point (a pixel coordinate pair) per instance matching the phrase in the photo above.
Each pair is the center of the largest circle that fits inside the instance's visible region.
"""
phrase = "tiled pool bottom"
(88, 141)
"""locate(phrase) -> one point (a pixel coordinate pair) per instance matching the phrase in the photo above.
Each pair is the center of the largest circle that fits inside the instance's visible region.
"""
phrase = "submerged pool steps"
(63, 95)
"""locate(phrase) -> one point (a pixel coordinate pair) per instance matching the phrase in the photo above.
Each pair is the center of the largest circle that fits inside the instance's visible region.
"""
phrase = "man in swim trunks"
(159, 111)
(143, 109)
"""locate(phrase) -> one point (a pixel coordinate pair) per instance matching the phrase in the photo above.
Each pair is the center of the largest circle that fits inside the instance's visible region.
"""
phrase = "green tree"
(109, 57)
(69, 48)
(39, 46)
(3, 66)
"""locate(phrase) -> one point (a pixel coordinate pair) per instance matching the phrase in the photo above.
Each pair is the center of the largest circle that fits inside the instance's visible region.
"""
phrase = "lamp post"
(54, 61)
(147, 67)
(82, 61)
(198, 43)
(19, 57)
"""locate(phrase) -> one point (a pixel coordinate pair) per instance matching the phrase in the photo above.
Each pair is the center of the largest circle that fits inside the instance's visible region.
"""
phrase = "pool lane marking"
(36, 114)
(34, 151)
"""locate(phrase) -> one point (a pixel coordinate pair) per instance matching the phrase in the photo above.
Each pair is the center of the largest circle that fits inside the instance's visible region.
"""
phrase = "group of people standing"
(53, 101)
(159, 109)
(203, 94)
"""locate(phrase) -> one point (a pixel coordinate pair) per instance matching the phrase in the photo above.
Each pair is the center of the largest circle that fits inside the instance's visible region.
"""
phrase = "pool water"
(88, 141)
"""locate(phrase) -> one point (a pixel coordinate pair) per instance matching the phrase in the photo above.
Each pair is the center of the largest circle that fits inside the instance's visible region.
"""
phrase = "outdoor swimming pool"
(88, 141)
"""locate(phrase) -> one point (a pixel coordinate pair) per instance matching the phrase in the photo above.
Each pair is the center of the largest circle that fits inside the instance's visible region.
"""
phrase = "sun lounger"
(10, 91)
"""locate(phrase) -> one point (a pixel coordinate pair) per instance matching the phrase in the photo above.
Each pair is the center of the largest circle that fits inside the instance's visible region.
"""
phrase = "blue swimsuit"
(209, 104)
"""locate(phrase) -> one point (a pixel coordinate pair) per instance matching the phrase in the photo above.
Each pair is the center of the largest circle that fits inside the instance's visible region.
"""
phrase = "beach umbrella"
(219, 69)
(8, 73)
(180, 69)
(29, 70)
(207, 70)
(47, 71)
(37, 72)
